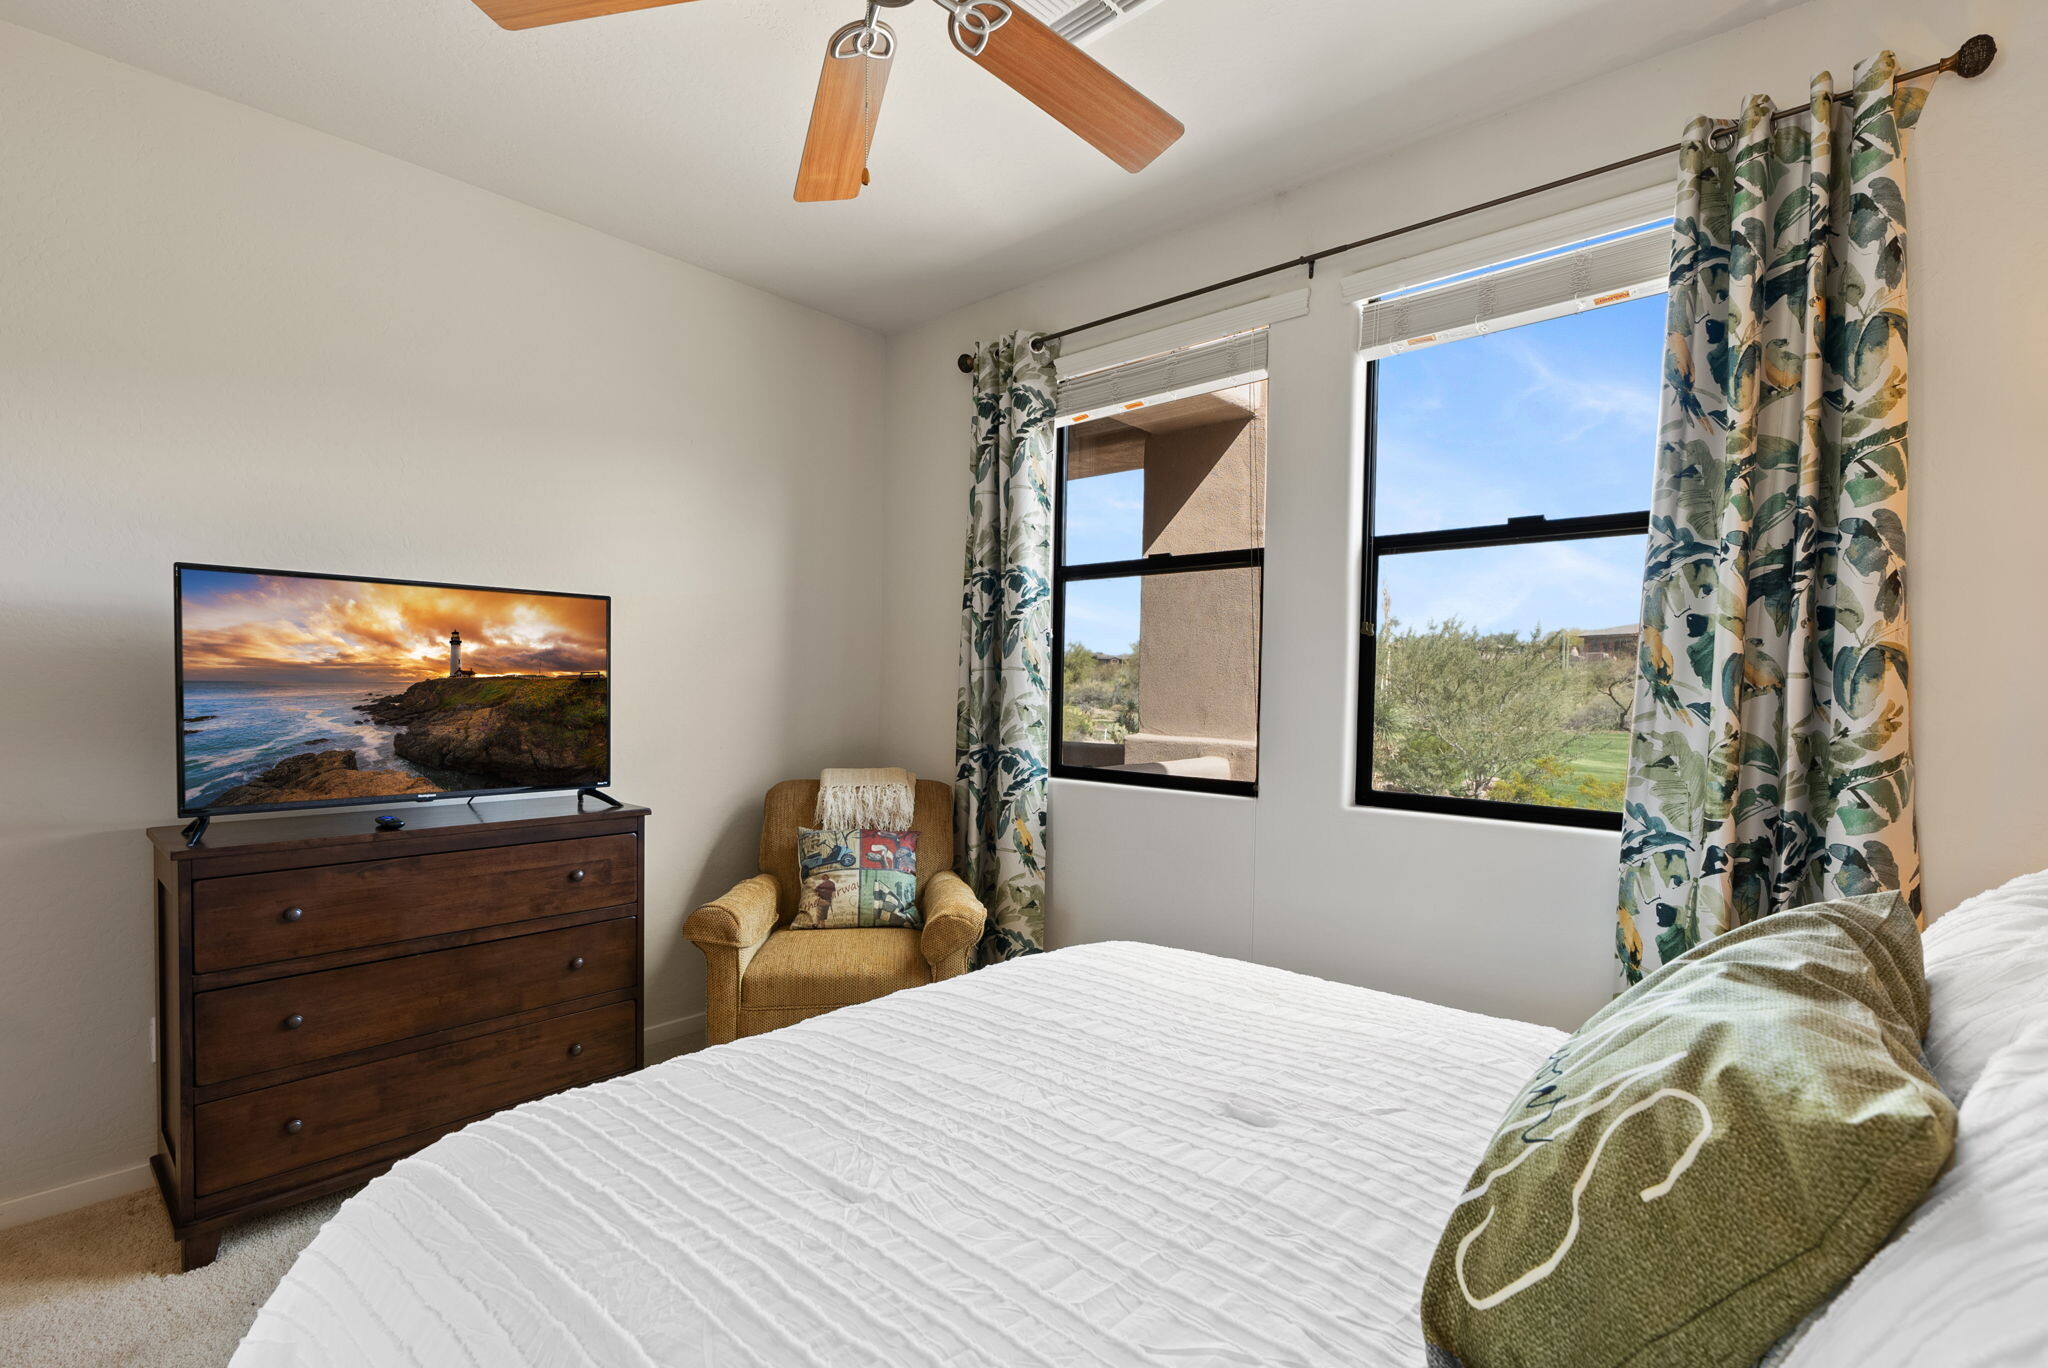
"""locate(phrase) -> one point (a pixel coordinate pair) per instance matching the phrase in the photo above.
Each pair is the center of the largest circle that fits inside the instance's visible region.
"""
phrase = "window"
(1158, 546)
(1510, 439)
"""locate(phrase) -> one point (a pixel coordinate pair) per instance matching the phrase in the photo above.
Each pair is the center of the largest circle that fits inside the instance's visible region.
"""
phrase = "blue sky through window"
(1105, 517)
(1103, 614)
(1105, 522)
(1557, 418)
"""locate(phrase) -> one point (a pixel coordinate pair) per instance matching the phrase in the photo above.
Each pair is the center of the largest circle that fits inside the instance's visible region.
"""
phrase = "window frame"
(1163, 563)
(1518, 531)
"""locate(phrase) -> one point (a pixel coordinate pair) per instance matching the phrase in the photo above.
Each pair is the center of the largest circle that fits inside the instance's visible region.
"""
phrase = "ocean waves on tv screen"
(236, 734)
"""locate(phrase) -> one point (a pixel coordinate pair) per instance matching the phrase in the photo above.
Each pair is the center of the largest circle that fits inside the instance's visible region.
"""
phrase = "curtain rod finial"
(966, 363)
(1973, 58)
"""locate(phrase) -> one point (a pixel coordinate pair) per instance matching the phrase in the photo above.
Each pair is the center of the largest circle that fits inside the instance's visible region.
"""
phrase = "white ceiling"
(680, 128)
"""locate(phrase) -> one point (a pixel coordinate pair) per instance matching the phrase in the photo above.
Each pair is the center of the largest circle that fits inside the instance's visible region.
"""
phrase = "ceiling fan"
(999, 35)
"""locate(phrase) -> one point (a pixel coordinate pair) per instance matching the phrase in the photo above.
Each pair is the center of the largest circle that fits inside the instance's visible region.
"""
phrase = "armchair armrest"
(729, 932)
(740, 920)
(953, 923)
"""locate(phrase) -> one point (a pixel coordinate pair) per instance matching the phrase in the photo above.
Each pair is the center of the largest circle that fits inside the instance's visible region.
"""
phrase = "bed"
(1111, 1154)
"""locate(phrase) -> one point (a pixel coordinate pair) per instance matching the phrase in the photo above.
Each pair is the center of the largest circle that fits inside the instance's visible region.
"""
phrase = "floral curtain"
(1002, 733)
(1770, 762)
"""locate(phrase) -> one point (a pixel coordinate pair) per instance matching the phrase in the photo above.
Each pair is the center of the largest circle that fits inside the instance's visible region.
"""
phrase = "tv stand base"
(194, 831)
(598, 794)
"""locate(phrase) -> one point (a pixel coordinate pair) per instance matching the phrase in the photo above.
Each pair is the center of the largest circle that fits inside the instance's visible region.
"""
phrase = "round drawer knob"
(294, 1021)
(294, 913)
(294, 1126)
(575, 1050)
(576, 963)
(575, 876)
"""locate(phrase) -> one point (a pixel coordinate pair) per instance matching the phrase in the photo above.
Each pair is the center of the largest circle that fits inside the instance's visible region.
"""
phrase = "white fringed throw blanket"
(867, 799)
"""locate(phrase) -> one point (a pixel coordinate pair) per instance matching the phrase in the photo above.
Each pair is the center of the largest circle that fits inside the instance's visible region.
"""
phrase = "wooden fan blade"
(1079, 91)
(525, 14)
(842, 123)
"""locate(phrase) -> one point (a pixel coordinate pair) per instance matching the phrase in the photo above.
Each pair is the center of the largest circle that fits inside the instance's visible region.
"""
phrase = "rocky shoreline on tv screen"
(475, 732)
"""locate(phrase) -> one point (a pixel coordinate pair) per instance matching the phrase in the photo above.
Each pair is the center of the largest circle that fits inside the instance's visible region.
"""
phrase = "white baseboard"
(665, 1040)
(71, 1196)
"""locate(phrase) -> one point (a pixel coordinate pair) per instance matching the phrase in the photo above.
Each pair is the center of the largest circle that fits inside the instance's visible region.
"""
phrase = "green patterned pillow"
(856, 878)
(1710, 1156)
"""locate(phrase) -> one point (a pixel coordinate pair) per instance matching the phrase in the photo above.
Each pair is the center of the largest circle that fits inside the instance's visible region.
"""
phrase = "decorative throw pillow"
(1711, 1155)
(856, 878)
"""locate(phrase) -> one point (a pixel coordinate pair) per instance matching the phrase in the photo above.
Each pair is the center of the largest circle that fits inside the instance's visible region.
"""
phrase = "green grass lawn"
(1591, 755)
(1603, 755)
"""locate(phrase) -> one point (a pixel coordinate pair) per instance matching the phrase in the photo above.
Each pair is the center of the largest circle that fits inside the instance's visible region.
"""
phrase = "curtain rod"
(1969, 61)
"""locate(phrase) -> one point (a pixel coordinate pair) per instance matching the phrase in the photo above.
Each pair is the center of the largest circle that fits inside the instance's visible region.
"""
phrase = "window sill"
(1173, 783)
(1584, 819)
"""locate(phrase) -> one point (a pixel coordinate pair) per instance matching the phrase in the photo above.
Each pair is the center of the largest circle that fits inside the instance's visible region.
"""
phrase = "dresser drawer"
(285, 1021)
(274, 1130)
(260, 918)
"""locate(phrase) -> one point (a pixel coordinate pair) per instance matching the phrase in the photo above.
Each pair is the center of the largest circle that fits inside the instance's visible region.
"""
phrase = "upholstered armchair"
(761, 975)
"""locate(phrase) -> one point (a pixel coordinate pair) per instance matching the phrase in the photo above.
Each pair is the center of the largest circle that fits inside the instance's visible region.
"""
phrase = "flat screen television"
(306, 690)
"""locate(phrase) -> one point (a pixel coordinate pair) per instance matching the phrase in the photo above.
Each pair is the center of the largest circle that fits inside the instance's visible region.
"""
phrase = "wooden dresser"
(332, 997)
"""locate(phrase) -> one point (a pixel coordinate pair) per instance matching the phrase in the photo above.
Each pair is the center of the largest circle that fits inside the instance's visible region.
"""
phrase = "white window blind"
(1188, 332)
(1190, 370)
(1604, 273)
(1405, 268)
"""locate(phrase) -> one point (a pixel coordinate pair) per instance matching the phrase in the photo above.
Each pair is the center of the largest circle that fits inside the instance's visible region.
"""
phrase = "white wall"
(224, 337)
(1504, 918)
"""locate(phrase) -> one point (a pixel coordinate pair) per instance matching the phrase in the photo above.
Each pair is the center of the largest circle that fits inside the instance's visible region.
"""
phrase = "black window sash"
(1523, 531)
(1163, 564)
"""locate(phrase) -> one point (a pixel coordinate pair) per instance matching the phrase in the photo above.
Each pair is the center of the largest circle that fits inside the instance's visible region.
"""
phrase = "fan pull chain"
(868, 113)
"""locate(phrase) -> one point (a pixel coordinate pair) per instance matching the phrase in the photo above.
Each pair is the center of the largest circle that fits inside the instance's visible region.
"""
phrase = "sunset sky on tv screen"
(288, 629)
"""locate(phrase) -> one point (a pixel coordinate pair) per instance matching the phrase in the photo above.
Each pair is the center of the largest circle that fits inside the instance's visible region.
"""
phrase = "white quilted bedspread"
(1112, 1154)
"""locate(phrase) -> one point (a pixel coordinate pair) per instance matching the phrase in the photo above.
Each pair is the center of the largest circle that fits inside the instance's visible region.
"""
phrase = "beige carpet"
(100, 1287)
